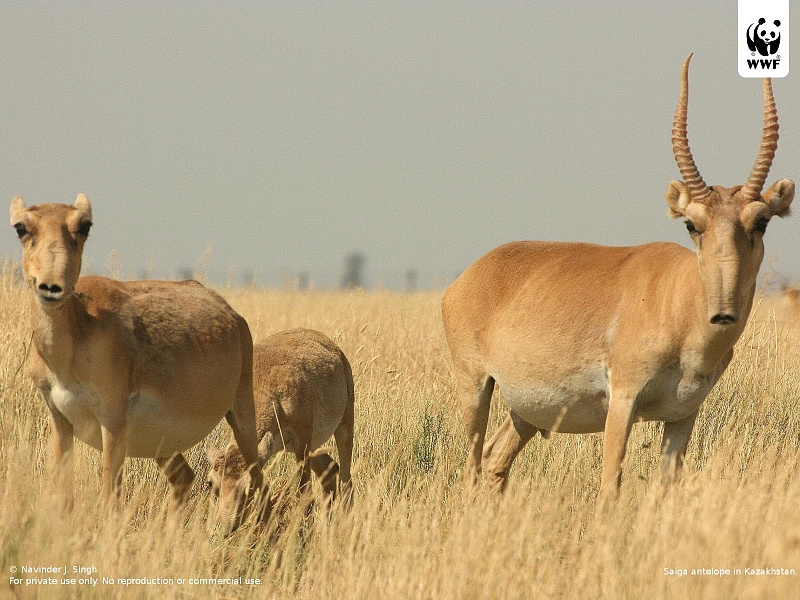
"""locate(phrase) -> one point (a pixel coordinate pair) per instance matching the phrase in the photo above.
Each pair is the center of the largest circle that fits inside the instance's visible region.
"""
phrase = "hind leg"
(244, 432)
(304, 487)
(180, 476)
(305, 476)
(326, 469)
(476, 397)
(242, 415)
(343, 435)
(504, 446)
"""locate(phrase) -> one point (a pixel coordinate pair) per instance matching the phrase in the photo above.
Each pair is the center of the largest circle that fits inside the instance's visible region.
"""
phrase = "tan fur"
(141, 368)
(584, 338)
(303, 388)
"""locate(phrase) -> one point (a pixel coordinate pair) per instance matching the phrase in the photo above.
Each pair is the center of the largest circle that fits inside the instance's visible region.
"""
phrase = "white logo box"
(763, 32)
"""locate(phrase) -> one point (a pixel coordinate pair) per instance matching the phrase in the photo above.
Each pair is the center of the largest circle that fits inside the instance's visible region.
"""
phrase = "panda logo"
(766, 39)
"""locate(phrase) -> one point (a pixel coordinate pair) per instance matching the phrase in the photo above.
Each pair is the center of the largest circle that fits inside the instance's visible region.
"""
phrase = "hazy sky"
(283, 136)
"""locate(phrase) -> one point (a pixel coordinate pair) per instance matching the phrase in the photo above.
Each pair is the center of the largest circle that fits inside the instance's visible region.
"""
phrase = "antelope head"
(231, 482)
(52, 237)
(727, 225)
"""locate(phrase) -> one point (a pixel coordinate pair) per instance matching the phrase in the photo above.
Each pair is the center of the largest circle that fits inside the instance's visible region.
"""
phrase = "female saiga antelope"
(303, 388)
(141, 368)
(583, 338)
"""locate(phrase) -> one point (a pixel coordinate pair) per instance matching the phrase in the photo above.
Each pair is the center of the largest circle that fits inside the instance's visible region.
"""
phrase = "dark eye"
(21, 230)
(761, 225)
(83, 228)
(690, 227)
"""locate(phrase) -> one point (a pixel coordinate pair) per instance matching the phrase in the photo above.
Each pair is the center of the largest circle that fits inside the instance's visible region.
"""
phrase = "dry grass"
(412, 532)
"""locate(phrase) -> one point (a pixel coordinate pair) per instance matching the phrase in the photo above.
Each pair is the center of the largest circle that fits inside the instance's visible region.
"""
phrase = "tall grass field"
(730, 529)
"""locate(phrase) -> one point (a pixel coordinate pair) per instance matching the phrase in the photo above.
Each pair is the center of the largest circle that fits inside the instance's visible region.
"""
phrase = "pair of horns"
(698, 189)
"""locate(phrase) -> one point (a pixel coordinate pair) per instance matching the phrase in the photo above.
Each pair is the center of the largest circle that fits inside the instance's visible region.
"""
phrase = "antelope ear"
(265, 449)
(84, 206)
(779, 197)
(17, 208)
(212, 452)
(678, 198)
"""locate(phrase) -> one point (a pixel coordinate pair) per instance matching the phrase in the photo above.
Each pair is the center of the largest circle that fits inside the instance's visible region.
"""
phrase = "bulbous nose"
(51, 288)
(229, 524)
(724, 319)
(50, 292)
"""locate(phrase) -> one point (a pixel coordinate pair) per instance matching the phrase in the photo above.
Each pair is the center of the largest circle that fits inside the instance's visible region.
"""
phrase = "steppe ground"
(729, 530)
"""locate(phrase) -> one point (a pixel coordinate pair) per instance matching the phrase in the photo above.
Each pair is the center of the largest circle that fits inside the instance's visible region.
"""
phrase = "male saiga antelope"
(583, 338)
(140, 368)
(303, 388)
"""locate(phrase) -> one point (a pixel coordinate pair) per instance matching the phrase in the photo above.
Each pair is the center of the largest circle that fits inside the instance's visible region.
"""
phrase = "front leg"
(621, 413)
(677, 434)
(114, 450)
(673, 446)
(63, 442)
(180, 476)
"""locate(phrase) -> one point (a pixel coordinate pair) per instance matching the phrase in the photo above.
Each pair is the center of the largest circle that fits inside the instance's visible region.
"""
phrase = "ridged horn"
(698, 189)
(766, 152)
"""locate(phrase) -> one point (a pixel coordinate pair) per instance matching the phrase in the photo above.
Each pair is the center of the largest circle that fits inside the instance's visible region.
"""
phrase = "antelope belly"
(155, 431)
(578, 405)
(152, 430)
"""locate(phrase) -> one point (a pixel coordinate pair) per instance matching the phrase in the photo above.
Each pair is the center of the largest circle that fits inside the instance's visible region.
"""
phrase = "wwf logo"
(764, 39)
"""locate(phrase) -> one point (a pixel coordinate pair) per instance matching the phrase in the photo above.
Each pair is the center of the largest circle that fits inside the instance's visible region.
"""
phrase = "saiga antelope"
(583, 338)
(303, 388)
(140, 368)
